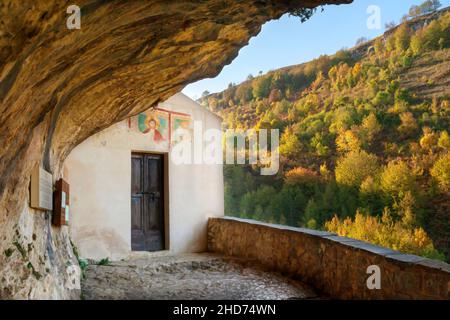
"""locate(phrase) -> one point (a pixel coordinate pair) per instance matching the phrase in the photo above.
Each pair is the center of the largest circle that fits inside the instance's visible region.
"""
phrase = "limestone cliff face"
(59, 86)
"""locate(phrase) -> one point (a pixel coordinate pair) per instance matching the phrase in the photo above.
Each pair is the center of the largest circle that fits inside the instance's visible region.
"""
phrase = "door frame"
(165, 165)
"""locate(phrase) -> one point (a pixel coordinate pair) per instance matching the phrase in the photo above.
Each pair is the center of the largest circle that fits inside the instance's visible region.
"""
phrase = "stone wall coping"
(358, 244)
(435, 264)
(390, 254)
(279, 226)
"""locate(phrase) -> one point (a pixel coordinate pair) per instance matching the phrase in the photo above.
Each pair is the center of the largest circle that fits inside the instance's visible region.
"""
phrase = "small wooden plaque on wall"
(61, 208)
(41, 190)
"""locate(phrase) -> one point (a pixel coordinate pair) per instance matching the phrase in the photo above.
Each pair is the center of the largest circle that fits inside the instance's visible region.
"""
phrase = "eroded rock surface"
(60, 86)
(192, 276)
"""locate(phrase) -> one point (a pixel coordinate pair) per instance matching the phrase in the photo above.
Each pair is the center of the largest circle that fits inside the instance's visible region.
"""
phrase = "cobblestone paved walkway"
(190, 276)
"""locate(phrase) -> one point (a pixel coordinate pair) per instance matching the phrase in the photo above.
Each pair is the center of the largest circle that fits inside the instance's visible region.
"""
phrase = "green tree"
(312, 212)
(408, 124)
(432, 35)
(348, 140)
(238, 181)
(289, 203)
(244, 93)
(370, 128)
(402, 38)
(290, 145)
(355, 167)
(417, 43)
(429, 140)
(304, 179)
(397, 178)
(258, 199)
(429, 6)
(382, 99)
(444, 141)
(369, 195)
(441, 172)
(414, 11)
(262, 87)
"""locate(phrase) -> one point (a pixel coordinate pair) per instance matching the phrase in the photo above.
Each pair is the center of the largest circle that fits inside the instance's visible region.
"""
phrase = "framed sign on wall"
(41, 189)
(61, 212)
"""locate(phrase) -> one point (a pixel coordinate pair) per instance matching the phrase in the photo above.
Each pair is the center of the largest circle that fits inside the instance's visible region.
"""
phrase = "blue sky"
(287, 41)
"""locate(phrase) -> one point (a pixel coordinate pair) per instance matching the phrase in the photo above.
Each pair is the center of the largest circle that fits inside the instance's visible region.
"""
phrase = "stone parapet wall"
(336, 266)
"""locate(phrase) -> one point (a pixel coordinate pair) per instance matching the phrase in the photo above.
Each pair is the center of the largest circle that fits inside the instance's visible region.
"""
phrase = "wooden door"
(147, 202)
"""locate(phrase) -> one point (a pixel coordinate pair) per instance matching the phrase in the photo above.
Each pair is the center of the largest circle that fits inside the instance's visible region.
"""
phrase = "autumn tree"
(304, 179)
(290, 145)
(429, 139)
(397, 178)
(355, 167)
(441, 172)
(261, 87)
(402, 38)
(348, 140)
(370, 128)
(244, 93)
(386, 232)
(444, 141)
(408, 125)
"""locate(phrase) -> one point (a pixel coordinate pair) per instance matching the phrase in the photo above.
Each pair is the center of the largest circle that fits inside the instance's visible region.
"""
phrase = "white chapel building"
(127, 194)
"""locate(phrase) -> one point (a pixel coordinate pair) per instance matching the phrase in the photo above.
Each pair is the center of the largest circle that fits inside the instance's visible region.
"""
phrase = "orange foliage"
(300, 175)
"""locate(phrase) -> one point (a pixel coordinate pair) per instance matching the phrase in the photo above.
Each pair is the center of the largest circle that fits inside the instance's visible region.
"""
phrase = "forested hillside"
(365, 145)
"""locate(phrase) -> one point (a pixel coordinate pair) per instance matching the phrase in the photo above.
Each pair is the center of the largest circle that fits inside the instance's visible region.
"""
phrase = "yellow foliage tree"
(441, 172)
(356, 69)
(408, 124)
(301, 175)
(348, 141)
(429, 139)
(385, 232)
(402, 37)
(370, 127)
(444, 141)
(290, 145)
(397, 179)
(355, 167)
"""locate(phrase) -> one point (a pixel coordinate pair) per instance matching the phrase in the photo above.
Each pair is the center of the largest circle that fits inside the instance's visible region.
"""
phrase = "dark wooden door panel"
(136, 209)
(147, 209)
(153, 172)
(154, 240)
(157, 219)
(136, 174)
(138, 242)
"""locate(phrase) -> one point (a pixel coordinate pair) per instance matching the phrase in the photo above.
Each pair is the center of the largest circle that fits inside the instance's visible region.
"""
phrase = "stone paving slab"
(187, 277)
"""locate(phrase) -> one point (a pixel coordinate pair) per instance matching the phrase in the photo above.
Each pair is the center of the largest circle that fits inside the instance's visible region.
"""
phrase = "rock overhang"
(60, 86)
